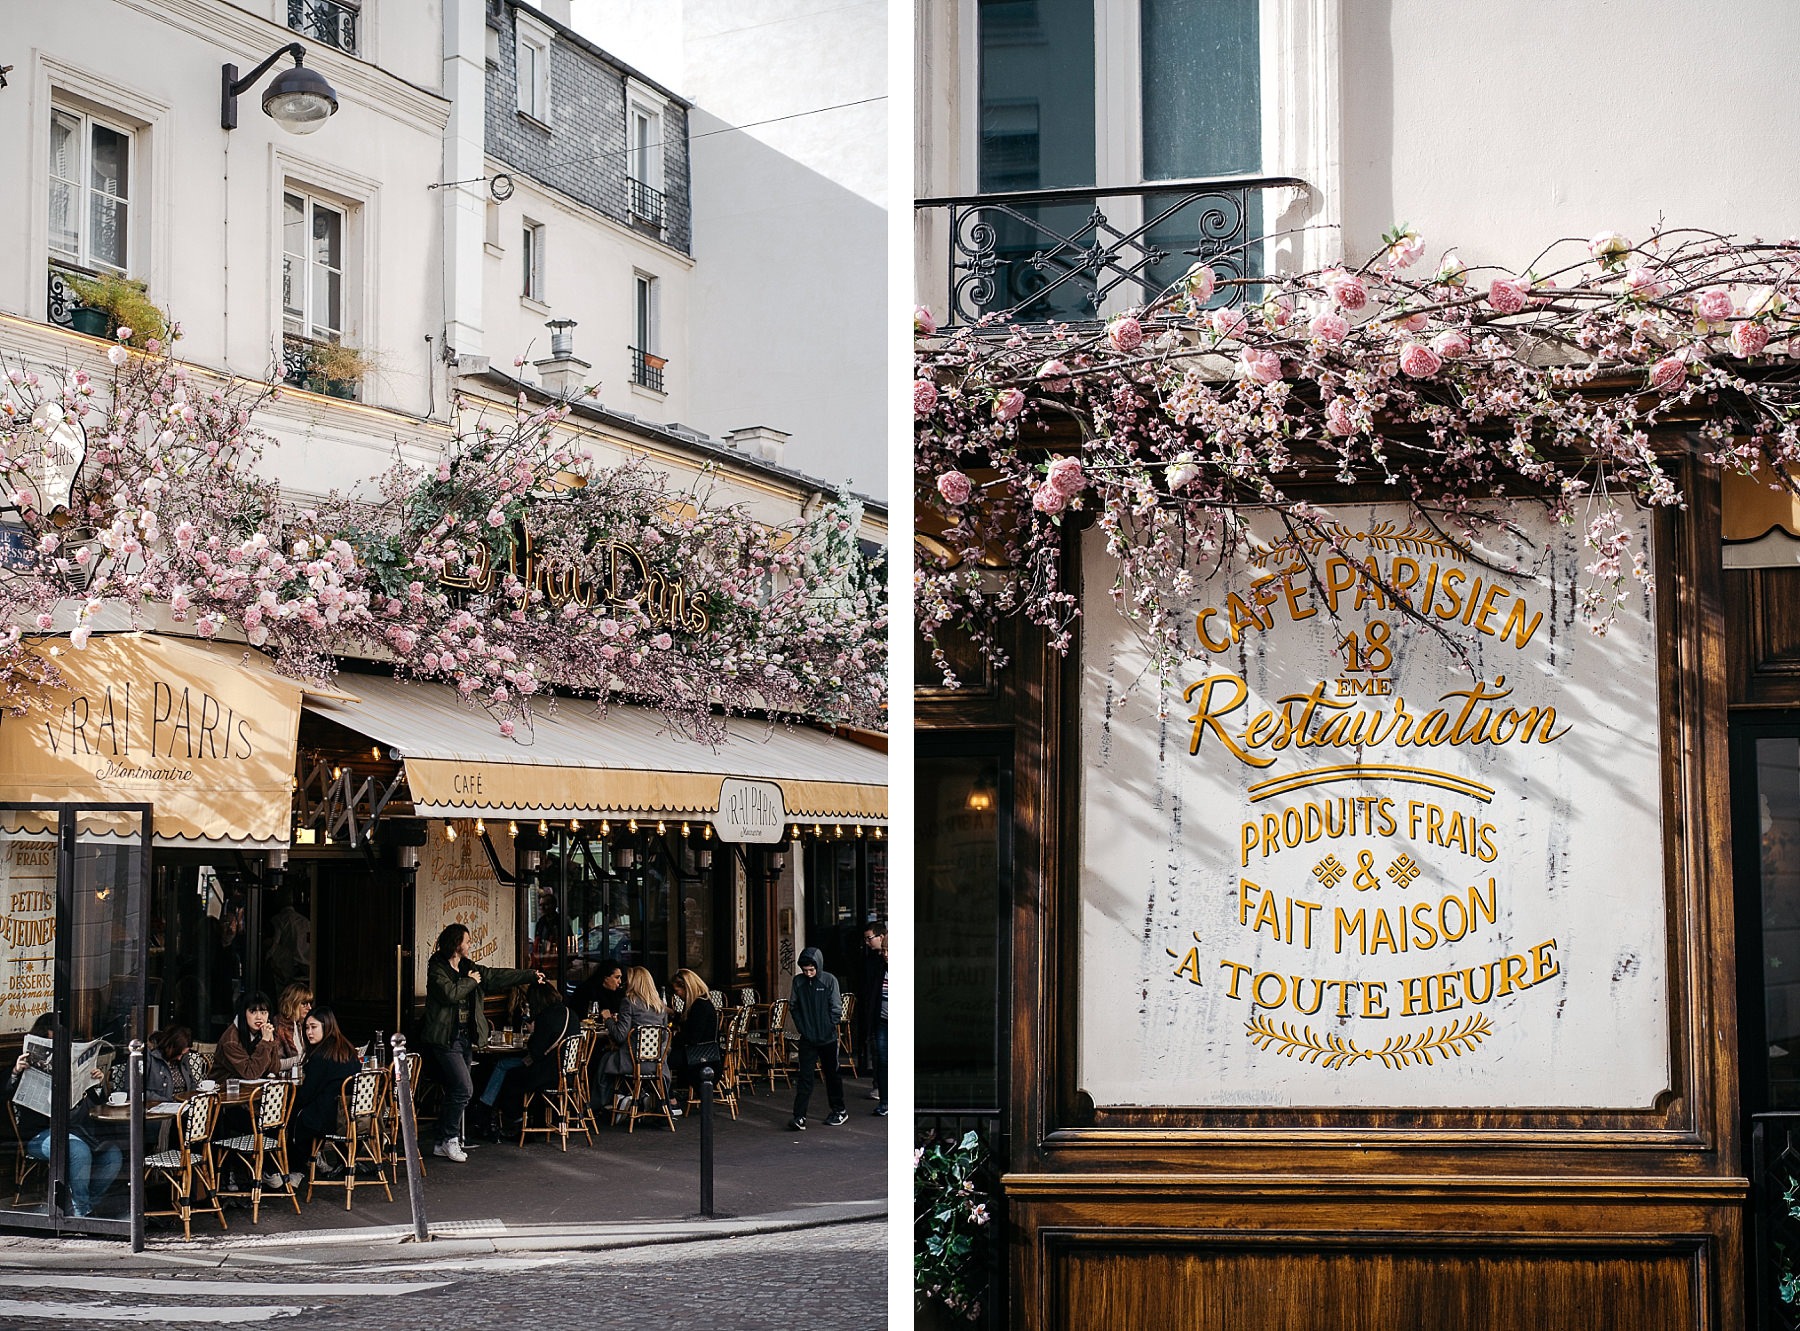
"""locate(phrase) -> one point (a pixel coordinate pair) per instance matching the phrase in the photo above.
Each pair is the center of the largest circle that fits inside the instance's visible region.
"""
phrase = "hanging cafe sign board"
(625, 579)
(1345, 867)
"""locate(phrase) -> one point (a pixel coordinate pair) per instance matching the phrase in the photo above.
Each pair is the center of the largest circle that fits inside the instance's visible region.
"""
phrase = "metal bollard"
(135, 1079)
(706, 1154)
(409, 1136)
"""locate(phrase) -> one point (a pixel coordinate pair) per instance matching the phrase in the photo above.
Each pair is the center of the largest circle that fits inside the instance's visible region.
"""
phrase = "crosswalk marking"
(181, 1286)
(30, 1314)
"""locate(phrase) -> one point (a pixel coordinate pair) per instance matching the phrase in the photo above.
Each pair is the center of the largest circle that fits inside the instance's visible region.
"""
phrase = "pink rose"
(1277, 310)
(1201, 281)
(1643, 283)
(1009, 404)
(923, 324)
(1048, 499)
(1668, 374)
(925, 396)
(1228, 323)
(1337, 418)
(507, 729)
(1451, 344)
(662, 642)
(1748, 339)
(1713, 305)
(1125, 333)
(46, 622)
(1411, 323)
(1066, 477)
(955, 488)
(1055, 376)
(1345, 288)
(1264, 367)
(1419, 362)
(1329, 326)
(1405, 252)
(78, 637)
(1609, 247)
(1506, 295)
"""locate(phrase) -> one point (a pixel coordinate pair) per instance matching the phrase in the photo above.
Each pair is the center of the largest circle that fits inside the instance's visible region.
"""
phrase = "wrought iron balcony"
(1775, 1221)
(647, 204)
(1065, 254)
(330, 21)
(647, 369)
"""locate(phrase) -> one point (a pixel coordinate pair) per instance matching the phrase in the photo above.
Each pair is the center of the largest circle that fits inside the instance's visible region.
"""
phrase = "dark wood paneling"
(1763, 613)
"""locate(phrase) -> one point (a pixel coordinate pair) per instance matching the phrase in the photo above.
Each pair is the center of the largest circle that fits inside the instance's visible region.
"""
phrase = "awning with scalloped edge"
(577, 763)
(1760, 522)
(205, 733)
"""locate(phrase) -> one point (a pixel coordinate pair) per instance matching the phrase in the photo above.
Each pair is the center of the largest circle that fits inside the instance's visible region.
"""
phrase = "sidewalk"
(627, 1189)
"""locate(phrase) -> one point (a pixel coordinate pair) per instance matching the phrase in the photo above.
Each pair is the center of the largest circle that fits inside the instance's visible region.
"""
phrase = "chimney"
(763, 441)
(561, 372)
(558, 10)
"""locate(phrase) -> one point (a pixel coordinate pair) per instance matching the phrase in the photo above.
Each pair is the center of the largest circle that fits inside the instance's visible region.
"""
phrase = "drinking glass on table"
(233, 1087)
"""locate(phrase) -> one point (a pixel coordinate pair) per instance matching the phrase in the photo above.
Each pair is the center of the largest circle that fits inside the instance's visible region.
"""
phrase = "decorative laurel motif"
(1300, 548)
(1397, 1051)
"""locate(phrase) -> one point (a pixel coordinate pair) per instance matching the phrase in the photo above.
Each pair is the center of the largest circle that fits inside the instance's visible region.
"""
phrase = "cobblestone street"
(822, 1278)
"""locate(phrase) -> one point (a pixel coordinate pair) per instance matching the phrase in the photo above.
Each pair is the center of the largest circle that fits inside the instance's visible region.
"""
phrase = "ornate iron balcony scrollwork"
(330, 21)
(1037, 255)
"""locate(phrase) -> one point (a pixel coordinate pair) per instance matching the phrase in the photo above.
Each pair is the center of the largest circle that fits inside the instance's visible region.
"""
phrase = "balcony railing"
(330, 21)
(1064, 254)
(647, 204)
(306, 363)
(647, 369)
(1775, 1220)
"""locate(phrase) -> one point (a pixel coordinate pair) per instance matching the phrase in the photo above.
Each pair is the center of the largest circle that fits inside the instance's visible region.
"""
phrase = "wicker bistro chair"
(846, 1037)
(725, 1086)
(362, 1110)
(25, 1167)
(191, 1164)
(747, 997)
(396, 1144)
(649, 1075)
(198, 1064)
(565, 1105)
(720, 1004)
(771, 1047)
(271, 1105)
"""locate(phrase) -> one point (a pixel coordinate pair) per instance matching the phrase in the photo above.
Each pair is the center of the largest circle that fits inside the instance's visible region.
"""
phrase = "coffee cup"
(118, 1098)
(209, 1085)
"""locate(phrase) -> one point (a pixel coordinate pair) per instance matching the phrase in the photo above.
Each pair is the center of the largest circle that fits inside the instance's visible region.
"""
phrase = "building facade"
(1122, 919)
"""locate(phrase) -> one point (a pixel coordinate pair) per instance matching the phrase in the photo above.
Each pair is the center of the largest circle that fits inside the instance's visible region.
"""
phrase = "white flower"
(117, 355)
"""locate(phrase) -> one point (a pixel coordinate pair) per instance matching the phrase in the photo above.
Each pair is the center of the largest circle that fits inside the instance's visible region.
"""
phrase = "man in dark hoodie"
(816, 1007)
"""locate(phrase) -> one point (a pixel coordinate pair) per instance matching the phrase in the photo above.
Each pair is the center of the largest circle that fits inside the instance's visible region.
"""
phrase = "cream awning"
(1760, 522)
(204, 733)
(578, 764)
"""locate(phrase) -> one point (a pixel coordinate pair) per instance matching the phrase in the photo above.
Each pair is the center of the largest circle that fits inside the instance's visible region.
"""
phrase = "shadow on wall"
(787, 307)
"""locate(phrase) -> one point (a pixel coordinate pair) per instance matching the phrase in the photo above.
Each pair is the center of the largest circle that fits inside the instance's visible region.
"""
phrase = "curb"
(393, 1244)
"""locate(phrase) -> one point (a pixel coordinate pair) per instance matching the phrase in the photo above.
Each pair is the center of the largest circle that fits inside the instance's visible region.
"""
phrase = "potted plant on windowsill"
(110, 302)
(654, 361)
(335, 369)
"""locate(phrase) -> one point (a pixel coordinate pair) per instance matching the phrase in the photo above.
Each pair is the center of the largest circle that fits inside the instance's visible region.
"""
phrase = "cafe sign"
(1349, 861)
(624, 579)
(750, 811)
(456, 884)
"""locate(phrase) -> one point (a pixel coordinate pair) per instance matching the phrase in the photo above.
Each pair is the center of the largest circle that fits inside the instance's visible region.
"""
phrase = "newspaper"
(33, 1091)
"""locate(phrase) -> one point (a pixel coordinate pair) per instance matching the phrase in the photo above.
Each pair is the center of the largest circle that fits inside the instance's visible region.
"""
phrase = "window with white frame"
(644, 163)
(532, 250)
(314, 236)
(532, 47)
(91, 184)
(646, 364)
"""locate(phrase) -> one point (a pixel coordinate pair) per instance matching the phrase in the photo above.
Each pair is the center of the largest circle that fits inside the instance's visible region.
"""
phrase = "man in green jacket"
(456, 1025)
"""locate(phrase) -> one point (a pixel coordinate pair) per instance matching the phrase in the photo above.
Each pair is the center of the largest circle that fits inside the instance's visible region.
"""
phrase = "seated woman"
(642, 1007)
(93, 1165)
(537, 1069)
(249, 1049)
(696, 1041)
(165, 1069)
(330, 1061)
(290, 1012)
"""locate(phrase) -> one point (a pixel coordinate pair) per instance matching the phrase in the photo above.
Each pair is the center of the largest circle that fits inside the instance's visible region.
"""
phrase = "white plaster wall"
(207, 230)
(790, 224)
(1496, 128)
(590, 263)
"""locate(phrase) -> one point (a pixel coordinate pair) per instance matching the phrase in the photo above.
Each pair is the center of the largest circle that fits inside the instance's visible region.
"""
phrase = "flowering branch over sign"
(1448, 389)
(513, 568)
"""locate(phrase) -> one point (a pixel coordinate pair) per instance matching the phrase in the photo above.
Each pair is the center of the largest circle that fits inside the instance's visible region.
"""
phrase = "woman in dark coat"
(330, 1061)
(165, 1071)
(696, 1041)
(551, 1024)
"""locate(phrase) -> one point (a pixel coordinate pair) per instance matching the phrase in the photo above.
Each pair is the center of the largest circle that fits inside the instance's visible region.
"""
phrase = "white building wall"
(789, 321)
(207, 202)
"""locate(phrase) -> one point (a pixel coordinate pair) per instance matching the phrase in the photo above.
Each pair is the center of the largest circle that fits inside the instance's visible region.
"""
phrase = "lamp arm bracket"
(230, 85)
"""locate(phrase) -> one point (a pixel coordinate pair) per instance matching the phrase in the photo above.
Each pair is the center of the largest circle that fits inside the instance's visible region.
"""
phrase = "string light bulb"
(512, 830)
(543, 827)
(662, 828)
(575, 824)
(684, 831)
(449, 831)
(480, 828)
(605, 828)
(706, 831)
(632, 824)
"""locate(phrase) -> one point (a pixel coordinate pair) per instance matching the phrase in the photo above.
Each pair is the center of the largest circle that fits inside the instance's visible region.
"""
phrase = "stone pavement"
(627, 1188)
(821, 1279)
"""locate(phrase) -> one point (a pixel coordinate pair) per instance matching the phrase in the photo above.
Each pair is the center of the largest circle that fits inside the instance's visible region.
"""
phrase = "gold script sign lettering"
(624, 579)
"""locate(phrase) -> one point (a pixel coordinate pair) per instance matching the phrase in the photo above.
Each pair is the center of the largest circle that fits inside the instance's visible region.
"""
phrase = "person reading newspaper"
(93, 1165)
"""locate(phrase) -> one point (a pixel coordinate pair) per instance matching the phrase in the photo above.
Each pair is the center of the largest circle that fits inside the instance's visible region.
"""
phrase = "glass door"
(73, 957)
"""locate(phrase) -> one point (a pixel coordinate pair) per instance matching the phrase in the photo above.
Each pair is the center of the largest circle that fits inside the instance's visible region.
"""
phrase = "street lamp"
(297, 99)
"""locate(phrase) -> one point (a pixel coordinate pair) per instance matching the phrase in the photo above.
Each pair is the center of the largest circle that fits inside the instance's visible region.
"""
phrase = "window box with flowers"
(99, 304)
